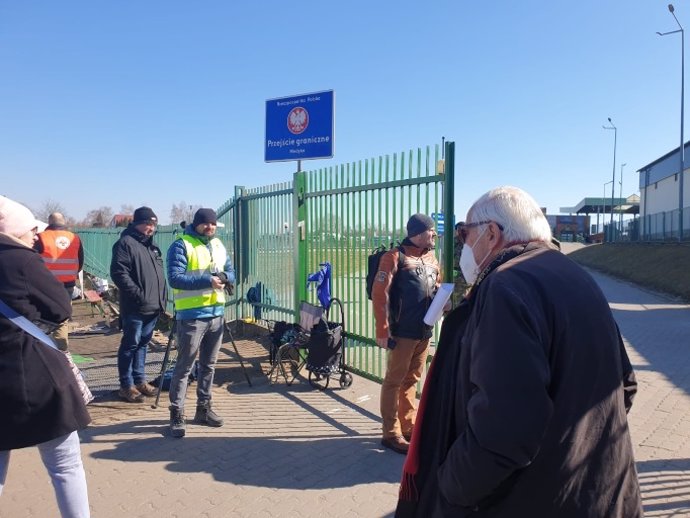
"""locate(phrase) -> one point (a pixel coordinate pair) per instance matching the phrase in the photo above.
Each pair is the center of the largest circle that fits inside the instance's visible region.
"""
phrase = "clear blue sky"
(156, 102)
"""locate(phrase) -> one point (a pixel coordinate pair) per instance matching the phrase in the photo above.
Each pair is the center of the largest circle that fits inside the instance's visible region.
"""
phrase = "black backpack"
(373, 265)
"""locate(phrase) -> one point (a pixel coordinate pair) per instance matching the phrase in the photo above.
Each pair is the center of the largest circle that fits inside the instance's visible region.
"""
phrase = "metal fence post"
(449, 212)
(299, 203)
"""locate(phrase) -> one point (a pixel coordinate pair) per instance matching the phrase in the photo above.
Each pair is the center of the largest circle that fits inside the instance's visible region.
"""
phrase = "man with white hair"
(524, 410)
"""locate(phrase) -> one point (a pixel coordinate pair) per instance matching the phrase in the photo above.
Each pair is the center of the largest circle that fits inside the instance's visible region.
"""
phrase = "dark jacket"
(137, 270)
(39, 397)
(527, 406)
(403, 289)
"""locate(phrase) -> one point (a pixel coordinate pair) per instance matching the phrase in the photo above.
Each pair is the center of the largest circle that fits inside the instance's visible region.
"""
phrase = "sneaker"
(205, 415)
(131, 395)
(147, 389)
(177, 424)
(397, 443)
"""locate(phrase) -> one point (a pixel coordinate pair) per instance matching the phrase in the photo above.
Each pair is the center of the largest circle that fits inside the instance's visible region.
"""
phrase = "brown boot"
(397, 443)
(147, 389)
(131, 395)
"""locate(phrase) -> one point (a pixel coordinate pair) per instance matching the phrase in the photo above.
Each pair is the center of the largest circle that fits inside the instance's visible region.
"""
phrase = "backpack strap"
(401, 252)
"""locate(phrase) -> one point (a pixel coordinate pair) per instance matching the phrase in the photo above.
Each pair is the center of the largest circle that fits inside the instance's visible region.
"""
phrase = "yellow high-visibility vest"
(201, 260)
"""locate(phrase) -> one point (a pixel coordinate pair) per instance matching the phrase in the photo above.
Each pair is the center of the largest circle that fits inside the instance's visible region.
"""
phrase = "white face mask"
(468, 264)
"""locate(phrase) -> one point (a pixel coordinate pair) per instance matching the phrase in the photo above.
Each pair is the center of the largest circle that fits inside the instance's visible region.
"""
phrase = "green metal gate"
(263, 250)
(278, 234)
(349, 210)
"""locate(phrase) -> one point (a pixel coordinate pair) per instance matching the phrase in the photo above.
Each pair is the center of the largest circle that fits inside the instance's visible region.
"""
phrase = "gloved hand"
(222, 277)
(229, 287)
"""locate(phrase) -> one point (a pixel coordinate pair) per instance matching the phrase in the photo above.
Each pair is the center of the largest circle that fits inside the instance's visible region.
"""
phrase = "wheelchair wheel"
(318, 381)
(345, 380)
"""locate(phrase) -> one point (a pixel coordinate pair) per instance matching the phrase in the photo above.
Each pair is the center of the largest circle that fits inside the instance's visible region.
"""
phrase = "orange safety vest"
(61, 253)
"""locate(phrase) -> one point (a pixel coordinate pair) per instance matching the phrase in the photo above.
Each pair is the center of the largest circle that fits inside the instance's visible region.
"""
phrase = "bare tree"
(69, 221)
(49, 206)
(127, 210)
(183, 212)
(100, 217)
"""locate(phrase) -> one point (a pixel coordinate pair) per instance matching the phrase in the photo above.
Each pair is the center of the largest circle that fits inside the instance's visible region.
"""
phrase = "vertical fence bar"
(449, 210)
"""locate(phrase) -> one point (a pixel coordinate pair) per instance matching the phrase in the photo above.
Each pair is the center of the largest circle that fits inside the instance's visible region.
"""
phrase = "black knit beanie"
(143, 215)
(418, 223)
(204, 216)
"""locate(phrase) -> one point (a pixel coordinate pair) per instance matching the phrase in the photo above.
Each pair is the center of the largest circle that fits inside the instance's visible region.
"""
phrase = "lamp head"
(610, 120)
(670, 8)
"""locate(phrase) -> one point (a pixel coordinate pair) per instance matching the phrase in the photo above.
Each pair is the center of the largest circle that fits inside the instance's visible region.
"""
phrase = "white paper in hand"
(435, 311)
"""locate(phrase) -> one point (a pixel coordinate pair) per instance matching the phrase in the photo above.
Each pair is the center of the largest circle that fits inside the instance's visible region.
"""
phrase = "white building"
(660, 199)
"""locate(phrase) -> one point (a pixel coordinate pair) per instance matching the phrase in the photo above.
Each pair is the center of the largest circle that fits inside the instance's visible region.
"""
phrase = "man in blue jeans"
(199, 271)
(137, 270)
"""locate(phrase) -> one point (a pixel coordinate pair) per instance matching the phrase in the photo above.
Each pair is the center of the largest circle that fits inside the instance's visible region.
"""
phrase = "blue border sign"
(439, 218)
(299, 127)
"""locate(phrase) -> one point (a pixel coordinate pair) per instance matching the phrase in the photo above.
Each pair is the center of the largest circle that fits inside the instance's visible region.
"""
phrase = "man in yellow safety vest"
(199, 271)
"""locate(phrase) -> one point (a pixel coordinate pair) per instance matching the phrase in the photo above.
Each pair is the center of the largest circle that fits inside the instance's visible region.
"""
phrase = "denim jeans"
(203, 335)
(137, 331)
(62, 459)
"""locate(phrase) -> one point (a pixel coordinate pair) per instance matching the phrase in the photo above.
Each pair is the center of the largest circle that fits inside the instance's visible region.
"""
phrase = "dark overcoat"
(529, 393)
(39, 396)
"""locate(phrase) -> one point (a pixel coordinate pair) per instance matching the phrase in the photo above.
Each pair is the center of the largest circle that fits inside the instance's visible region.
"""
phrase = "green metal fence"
(98, 244)
(278, 234)
(262, 219)
(349, 210)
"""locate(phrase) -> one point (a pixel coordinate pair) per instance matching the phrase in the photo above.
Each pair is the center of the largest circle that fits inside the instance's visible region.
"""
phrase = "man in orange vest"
(63, 254)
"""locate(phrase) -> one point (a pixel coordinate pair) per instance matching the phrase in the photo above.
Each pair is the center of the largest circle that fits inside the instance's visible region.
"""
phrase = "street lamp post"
(603, 220)
(613, 181)
(620, 195)
(682, 109)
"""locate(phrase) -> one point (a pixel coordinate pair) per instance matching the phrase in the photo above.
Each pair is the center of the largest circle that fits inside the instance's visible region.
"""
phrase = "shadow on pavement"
(665, 485)
(275, 462)
(654, 325)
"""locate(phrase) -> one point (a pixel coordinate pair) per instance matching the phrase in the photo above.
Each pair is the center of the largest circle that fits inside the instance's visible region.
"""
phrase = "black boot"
(205, 415)
(177, 425)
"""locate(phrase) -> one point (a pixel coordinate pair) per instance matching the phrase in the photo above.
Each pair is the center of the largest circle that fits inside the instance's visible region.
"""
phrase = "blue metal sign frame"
(300, 127)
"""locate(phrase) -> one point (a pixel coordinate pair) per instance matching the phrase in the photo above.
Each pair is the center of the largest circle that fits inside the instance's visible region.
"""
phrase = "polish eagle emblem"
(298, 120)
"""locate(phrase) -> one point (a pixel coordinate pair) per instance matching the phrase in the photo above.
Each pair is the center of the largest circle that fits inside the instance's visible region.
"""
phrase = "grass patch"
(78, 358)
(663, 267)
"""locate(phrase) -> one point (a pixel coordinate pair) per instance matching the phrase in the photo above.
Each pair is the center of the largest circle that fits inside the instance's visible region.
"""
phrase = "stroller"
(325, 351)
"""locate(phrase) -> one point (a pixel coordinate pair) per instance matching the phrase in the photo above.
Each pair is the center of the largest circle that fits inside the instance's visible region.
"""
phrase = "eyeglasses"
(467, 226)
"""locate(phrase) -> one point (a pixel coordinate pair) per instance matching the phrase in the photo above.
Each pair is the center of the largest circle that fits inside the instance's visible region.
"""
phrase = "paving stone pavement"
(298, 452)
(656, 331)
